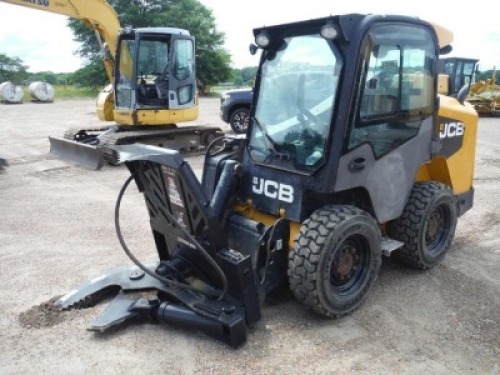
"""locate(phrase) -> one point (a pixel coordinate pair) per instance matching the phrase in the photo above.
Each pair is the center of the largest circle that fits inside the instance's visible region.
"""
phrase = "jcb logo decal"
(273, 189)
(451, 129)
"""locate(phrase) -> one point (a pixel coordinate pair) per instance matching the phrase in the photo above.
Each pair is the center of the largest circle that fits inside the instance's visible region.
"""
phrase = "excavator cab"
(155, 69)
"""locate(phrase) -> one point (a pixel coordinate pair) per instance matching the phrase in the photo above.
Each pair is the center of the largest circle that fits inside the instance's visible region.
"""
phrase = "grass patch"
(63, 92)
(71, 92)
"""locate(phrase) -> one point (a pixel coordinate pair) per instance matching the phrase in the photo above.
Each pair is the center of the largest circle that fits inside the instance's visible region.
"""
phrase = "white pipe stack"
(10, 93)
(42, 91)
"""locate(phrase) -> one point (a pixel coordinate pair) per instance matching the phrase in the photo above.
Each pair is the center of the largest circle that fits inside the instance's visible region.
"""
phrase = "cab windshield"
(295, 102)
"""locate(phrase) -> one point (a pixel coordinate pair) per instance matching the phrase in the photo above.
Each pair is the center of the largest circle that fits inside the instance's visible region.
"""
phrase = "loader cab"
(155, 68)
(343, 105)
(296, 94)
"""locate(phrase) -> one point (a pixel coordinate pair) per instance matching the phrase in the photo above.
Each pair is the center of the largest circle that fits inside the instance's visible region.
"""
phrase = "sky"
(44, 42)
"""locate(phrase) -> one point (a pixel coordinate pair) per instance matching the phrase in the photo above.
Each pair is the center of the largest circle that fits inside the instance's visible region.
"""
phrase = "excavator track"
(85, 135)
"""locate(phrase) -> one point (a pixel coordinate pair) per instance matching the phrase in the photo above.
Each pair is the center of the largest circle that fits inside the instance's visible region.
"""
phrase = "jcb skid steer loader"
(351, 154)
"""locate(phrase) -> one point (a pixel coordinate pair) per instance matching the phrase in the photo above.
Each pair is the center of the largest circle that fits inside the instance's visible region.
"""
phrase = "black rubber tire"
(324, 240)
(239, 120)
(427, 225)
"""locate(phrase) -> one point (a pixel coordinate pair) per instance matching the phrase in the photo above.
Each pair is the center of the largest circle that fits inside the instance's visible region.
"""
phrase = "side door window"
(468, 73)
(381, 91)
(397, 88)
(123, 74)
(182, 83)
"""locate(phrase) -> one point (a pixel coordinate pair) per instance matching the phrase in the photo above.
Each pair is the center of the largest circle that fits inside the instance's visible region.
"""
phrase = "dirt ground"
(57, 231)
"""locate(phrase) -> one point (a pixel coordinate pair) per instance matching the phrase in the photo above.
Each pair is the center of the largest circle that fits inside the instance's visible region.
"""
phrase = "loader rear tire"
(335, 260)
(427, 225)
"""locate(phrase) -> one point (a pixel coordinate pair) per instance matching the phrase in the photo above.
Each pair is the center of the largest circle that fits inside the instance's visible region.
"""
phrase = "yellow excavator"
(153, 87)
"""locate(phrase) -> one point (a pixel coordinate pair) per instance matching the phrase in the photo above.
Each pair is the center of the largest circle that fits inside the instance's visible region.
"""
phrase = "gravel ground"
(57, 230)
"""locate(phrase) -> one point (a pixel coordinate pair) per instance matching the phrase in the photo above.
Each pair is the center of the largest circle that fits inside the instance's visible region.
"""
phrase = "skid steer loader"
(350, 155)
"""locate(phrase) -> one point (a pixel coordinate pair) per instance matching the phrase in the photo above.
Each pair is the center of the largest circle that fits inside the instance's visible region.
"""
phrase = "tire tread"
(305, 256)
(407, 227)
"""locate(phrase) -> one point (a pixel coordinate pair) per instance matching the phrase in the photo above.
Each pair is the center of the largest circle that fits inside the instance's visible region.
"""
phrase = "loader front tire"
(335, 260)
(426, 226)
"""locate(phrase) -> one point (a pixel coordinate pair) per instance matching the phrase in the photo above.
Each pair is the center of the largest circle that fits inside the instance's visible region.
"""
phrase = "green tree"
(91, 75)
(487, 74)
(12, 69)
(48, 77)
(213, 61)
(245, 76)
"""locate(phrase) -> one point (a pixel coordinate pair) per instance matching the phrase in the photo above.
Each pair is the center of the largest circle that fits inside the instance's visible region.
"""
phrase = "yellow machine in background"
(458, 72)
(153, 87)
(485, 96)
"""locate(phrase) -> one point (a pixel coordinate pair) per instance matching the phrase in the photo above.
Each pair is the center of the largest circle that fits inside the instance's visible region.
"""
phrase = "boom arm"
(96, 14)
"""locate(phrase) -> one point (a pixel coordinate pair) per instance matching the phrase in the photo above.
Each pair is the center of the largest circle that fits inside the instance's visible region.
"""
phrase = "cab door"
(392, 123)
(182, 80)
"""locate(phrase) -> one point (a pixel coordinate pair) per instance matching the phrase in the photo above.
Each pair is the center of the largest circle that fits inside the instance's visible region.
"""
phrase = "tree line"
(92, 75)
(13, 69)
(487, 74)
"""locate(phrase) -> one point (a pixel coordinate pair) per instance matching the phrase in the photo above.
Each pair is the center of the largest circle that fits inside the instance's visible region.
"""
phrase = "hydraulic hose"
(269, 230)
(169, 282)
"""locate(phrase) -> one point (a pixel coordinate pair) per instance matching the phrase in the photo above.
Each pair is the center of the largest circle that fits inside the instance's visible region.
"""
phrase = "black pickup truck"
(235, 108)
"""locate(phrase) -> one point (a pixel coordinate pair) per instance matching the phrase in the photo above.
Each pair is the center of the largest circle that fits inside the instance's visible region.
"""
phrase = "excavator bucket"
(83, 154)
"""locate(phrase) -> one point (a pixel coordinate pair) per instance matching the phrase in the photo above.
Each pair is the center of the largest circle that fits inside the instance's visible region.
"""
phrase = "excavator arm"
(96, 14)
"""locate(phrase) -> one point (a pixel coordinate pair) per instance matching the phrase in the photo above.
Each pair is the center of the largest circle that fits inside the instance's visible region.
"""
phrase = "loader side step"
(389, 245)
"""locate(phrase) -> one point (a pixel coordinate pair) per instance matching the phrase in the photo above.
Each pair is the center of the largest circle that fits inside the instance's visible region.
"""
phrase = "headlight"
(329, 31)
(262, 40)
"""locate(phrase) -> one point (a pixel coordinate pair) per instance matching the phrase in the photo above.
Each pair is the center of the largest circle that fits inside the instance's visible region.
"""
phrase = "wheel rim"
(240, 122)
(347, 268)
(437, 230)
